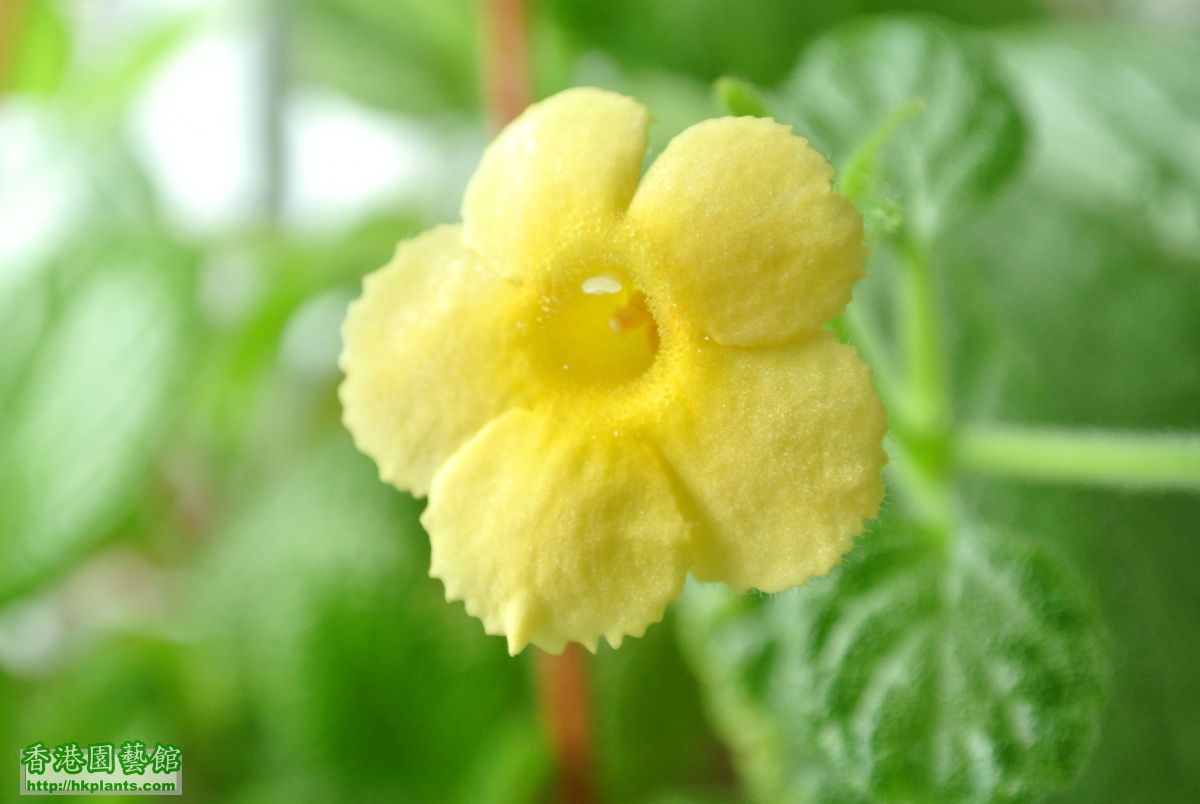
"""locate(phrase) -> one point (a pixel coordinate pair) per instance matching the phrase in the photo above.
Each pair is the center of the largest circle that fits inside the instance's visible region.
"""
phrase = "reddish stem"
(507, 61)
(11, 17)
(562, 680)
(563, 683)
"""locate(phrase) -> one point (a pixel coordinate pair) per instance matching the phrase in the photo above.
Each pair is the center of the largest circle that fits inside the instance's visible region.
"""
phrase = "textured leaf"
(917, 672)
(1073, 262)
(1139, 552)
(963, 139)
(1121, 111)
(1077, 302)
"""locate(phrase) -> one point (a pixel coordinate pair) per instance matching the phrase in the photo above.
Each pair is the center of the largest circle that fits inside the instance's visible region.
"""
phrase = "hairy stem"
(857, 172)
(921, 422)
(1137, 460)
(928, 397)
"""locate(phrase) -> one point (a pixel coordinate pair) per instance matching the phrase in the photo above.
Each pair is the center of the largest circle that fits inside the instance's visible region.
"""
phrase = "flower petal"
(555, 531)
(778, 453)
(571, 161)
(752, 239)
(428, 357)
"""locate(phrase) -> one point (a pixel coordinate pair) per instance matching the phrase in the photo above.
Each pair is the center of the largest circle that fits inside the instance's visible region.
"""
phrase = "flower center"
(597, 330)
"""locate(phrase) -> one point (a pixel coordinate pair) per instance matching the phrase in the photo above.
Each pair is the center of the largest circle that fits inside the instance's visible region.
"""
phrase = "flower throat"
(598, 330)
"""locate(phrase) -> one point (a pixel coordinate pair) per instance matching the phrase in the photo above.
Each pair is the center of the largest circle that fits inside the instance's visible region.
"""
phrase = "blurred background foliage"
(191, 550)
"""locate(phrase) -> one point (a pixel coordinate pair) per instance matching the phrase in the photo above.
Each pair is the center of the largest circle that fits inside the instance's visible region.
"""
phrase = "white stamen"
(601, 286)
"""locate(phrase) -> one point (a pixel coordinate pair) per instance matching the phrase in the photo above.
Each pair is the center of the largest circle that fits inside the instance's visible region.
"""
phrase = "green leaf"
(752, 39)
(91, 394)
(1121, 108)
(1058, 272)
(1091, 251)
(917, 672)
(962, 145)
(1138, 551)
(1075, 304)
(705, 39)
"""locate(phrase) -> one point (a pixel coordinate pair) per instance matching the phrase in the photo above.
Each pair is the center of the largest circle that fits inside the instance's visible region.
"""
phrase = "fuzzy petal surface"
(778, 452)
(554, 530)
(567, 163)
(755, 244)
(428, 356)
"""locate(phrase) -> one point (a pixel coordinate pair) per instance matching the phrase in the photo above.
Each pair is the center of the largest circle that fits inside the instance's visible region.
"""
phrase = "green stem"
(857, 171)
(865, 336)
(1138, 460)
(926, 410)
(921, 422)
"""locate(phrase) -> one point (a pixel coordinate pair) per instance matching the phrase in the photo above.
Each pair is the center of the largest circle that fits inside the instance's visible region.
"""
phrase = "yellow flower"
(603, 382)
